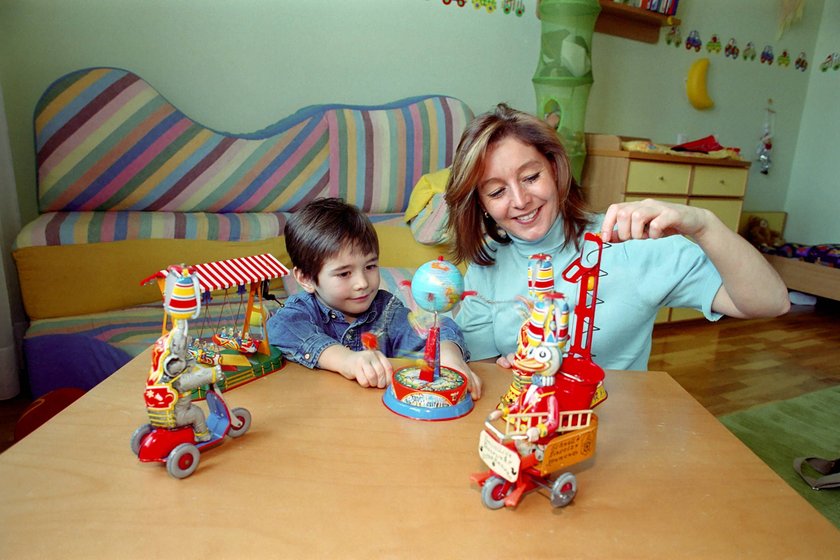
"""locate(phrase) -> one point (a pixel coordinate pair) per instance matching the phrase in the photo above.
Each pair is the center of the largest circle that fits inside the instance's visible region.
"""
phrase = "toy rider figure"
(174, 374)
(536, 411)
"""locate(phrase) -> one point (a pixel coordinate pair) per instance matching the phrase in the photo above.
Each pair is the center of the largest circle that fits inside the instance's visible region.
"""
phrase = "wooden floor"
(735, 364)
(727, 366)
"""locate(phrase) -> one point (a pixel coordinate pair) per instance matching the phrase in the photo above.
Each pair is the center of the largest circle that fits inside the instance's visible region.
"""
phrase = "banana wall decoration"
(695, 86)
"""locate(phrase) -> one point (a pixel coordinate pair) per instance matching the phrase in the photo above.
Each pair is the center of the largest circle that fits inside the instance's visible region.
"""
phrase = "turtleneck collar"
(550, 243)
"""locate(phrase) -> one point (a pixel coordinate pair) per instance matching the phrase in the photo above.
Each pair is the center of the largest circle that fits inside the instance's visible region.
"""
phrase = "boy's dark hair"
(322, 228)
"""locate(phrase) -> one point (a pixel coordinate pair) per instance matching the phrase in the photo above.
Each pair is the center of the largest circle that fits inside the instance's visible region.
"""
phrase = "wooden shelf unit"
(631, 23)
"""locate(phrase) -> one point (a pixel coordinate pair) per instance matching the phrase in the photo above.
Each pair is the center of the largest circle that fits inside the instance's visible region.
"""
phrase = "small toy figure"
(732, 51)
(540, 286)
(174, 374)
(760, 234)
(801, 63)
(538, 405)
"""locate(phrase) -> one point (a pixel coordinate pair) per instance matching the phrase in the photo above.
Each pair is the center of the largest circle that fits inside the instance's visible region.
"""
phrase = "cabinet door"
(658, 178)
(729, 211)
(719, 181)
(683, 314)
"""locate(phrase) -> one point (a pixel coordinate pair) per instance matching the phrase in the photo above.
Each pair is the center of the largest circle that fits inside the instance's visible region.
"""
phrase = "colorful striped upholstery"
(68, 228)
(106, 140)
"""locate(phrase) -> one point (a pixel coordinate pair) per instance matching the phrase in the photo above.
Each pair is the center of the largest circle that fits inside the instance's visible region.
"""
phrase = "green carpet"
(805, 426)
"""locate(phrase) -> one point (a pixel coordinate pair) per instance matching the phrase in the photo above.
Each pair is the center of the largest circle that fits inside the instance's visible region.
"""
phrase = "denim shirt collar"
(329, 314)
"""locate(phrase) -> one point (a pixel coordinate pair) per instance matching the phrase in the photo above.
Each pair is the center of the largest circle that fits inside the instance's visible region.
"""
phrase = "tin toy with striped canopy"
(226, 335)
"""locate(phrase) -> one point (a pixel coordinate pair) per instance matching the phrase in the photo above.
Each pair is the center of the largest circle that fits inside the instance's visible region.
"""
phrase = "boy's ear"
(304, 281)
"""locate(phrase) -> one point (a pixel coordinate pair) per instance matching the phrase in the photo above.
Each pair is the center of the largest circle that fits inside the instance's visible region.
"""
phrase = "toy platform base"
(239, 369)
(445, 398)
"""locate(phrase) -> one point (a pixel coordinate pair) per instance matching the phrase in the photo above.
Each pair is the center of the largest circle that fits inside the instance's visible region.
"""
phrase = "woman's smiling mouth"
(527, 218)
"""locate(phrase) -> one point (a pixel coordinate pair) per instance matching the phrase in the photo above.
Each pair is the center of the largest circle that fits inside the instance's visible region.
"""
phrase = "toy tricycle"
(515, 469)
(178, 447)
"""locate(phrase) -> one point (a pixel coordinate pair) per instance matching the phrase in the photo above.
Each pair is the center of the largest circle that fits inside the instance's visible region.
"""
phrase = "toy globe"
(429, 391)
(437, 286)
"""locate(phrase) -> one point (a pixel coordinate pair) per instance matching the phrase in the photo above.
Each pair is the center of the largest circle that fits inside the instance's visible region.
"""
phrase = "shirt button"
(332, 315)
(306, 356)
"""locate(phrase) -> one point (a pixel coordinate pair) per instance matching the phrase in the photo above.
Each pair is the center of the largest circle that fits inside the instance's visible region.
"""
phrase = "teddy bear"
(760, 234)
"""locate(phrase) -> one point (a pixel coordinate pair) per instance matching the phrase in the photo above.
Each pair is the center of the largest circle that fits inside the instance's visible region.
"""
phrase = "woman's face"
(518, 189)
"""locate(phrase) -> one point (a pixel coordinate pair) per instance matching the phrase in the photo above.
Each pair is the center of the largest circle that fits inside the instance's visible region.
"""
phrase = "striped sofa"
(128, 184)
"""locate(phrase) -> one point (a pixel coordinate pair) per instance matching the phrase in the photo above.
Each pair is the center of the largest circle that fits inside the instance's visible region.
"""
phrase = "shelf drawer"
(729, 211)
(658, 178)
(719, 181)
(664, 198)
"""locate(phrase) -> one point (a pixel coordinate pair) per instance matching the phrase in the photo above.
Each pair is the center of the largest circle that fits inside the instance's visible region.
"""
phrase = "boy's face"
(347, 282)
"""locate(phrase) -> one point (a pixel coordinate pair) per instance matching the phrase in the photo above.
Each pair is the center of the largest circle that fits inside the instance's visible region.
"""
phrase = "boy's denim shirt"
(305, 327)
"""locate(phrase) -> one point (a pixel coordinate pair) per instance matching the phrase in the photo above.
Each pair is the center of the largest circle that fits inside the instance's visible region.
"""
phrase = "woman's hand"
(452, 357)
(751, 288)
(653, 219)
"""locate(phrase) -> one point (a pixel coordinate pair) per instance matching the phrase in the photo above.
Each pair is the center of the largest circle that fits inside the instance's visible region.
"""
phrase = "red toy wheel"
(243, 417)
(137, 437)
(183, 460)
(563, 490)
(494, 492)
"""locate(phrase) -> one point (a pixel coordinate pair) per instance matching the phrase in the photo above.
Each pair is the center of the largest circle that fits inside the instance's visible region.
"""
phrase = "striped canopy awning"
(221, 275)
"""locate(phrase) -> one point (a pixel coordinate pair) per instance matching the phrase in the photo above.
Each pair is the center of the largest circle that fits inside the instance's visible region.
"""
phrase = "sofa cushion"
(62, 281)
(107, 140)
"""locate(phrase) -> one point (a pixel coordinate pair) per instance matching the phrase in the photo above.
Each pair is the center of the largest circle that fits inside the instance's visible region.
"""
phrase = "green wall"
(240, 66)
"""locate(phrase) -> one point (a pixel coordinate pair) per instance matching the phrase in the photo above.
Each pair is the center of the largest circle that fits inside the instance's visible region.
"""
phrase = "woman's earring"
(486, 215)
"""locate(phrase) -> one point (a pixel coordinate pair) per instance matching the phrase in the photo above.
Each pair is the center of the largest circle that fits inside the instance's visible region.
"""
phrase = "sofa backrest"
(107, 140)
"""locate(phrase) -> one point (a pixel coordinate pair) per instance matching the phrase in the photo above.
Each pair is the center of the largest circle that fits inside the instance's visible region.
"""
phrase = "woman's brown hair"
(469, 225)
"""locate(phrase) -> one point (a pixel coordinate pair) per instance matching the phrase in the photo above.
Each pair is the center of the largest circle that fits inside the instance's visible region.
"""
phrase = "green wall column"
(564, 73)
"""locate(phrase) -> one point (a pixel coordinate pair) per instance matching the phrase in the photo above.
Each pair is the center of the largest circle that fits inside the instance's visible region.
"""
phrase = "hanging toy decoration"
(767, 55)
(831, 61)
(713, 46)
(674, 36)
(696, 86)
(489, 5)
(765, 145)
(693, 41)
(784, 59)
(749, 51)
(801, 63)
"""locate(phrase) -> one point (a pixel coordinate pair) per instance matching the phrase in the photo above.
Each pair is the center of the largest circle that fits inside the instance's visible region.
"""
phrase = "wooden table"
(327, 471)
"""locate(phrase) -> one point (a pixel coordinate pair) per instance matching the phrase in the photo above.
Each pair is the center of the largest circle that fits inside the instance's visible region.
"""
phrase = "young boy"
(335, 254)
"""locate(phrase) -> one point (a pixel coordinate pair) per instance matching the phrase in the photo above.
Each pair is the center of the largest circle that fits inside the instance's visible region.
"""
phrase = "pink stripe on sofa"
(293, 159)
(74, 190)
(133, 168)
(418, 140)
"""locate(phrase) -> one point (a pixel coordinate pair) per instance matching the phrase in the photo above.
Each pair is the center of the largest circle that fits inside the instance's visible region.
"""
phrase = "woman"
(511, 195)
